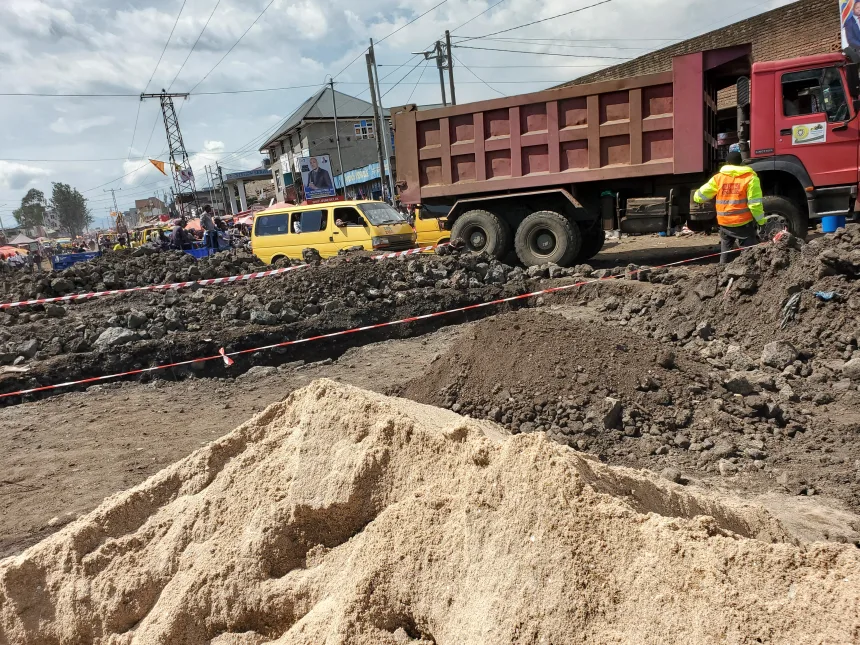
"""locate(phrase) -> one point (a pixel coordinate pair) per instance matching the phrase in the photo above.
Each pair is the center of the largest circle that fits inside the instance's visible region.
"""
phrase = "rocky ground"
(687, 371)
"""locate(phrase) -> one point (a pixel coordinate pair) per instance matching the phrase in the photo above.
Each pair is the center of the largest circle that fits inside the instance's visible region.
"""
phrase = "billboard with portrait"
(316, 177)
(849, 11)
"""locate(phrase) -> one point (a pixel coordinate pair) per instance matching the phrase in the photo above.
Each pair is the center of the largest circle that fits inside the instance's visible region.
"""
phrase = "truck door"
(812, 123)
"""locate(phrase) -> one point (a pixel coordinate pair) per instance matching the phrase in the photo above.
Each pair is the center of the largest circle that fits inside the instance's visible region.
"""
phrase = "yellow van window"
(309, 221)
(271, 224)
(348, 216)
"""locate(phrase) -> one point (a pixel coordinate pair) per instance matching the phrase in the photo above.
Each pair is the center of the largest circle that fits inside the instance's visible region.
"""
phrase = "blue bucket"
(830, 223)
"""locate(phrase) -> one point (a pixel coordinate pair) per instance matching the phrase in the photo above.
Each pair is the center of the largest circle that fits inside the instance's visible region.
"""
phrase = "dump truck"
(546, 174)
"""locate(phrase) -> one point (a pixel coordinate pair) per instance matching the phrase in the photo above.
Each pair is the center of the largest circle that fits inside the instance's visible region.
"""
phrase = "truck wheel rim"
(774, 224)
(477, 239)
(543, 242)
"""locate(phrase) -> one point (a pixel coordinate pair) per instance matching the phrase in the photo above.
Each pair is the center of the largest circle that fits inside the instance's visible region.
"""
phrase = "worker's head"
(735, 158)
(207, 208)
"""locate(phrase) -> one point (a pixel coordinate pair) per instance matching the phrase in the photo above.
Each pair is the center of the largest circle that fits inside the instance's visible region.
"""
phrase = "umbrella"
(193, 225)
(9, 251)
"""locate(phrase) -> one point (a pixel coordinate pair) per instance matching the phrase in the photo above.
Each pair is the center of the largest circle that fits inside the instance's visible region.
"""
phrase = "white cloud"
(17, 176)
(311, 17)
(76, 126)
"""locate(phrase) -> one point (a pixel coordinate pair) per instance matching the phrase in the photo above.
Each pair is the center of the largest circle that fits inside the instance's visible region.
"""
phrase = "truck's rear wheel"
(781, 214)
(483, 231)
(593, 238)
(545, 237)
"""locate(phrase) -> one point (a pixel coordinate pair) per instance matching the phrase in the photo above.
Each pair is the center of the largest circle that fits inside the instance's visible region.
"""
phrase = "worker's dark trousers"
(744, 235)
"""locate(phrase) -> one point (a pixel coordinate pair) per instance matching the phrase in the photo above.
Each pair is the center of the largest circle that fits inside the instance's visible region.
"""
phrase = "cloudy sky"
(113, 47)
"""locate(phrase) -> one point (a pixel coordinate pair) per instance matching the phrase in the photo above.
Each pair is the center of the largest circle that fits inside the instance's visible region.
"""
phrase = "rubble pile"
(60, 342)
(680, 375)
(340, 516)
(124, 270)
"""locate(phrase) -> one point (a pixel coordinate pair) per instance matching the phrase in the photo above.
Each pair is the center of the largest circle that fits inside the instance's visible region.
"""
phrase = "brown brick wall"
(799, 29)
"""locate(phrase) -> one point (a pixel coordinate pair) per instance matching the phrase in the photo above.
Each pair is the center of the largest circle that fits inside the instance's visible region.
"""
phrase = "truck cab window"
(815, 91)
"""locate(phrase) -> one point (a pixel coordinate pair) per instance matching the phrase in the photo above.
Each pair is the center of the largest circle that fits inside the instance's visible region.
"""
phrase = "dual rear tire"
(542, 237)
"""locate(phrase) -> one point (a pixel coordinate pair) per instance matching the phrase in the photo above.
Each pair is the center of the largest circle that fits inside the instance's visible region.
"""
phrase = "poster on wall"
(317, 178)
(850, 13)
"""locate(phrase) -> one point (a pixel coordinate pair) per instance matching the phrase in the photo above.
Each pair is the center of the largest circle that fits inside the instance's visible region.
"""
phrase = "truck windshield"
(380, 213)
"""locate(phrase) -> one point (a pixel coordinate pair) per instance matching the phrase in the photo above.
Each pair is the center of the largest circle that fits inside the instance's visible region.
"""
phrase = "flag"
(158, 164)
(846, 6)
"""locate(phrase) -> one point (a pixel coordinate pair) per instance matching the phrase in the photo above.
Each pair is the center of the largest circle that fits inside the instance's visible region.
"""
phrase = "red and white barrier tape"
(225, 356)
(205, 283)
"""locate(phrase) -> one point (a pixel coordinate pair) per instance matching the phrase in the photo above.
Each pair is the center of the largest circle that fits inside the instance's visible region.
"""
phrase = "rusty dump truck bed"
(658, 124)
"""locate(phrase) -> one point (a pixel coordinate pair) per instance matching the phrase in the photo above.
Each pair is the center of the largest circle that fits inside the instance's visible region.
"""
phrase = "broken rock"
(778, 354)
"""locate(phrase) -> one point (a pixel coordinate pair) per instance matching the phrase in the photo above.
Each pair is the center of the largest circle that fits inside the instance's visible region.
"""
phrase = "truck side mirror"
(852, 74)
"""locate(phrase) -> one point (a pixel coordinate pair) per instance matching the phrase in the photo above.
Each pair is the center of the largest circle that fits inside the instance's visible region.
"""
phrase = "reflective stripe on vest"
(732, 205)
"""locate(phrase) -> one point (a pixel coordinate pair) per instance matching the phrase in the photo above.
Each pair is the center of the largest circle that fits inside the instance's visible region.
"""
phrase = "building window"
(364, 130)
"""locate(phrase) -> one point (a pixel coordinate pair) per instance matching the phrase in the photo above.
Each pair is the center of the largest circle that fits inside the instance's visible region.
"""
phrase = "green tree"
(71, 207)
(32, 210)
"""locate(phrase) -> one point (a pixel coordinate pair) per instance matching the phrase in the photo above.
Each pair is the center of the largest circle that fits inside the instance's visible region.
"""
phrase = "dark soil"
(119, 333)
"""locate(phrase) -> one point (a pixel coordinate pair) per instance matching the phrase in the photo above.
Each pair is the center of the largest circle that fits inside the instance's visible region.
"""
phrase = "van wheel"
(483, 231)
(545, 237)
(277, 258)
(593, 238)
(782, 214)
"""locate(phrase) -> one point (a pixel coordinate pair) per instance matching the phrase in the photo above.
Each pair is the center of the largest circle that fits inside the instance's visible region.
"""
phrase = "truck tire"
(545, 237)
(784, 214)
(593, 238)
(483, 231)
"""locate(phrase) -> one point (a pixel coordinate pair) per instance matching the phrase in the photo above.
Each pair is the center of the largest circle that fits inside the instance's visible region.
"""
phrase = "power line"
(175, 22)
(393, 85)
(477, 16)
(245, 33)
(547, 44)
(521, 66)
(519, 51)
(381, 40)
(580, 40)
(535, 22)
(415, 87)
(106, 158)
(200, 35)
(476, 76)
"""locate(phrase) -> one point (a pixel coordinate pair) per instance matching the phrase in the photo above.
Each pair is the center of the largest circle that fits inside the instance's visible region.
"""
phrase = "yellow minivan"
(285, 231)
(430, 228)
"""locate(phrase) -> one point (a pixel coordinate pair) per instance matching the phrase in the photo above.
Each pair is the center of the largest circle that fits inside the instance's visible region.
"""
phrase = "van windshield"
(381, 213)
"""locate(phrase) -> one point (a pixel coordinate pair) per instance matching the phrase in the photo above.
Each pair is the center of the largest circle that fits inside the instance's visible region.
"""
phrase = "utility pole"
(444, 60)
(337, 139)
(450, 56)
(377, 125)
(210, 178)
(183, 176)
(384, 131)
(223, 188)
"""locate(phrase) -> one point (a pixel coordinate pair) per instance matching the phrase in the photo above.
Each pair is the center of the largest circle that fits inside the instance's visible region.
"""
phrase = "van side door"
(350, 228)
(309, 231)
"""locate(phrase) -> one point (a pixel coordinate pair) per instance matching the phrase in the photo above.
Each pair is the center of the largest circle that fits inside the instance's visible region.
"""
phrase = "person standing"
(207, 223)
(739, 203)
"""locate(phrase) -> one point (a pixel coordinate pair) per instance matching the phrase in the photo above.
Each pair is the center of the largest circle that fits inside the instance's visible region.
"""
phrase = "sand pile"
(340, 516)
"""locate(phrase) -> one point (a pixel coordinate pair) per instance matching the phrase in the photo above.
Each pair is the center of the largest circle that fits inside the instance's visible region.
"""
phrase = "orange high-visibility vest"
(732, 205)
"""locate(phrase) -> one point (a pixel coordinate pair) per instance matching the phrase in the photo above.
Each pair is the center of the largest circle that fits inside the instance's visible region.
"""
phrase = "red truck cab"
(804, 131)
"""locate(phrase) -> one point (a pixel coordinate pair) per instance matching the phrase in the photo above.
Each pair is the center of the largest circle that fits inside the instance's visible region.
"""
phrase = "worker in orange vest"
(739, 203)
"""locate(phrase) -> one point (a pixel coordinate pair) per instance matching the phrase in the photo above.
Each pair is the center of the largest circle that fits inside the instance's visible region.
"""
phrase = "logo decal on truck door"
(808, 133)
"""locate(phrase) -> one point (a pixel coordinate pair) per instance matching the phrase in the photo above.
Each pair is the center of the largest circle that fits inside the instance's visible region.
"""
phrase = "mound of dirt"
(633, 400)
(341, 516)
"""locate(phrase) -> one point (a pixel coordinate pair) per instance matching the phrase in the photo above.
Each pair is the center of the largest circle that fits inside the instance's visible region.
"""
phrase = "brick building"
(799, 29)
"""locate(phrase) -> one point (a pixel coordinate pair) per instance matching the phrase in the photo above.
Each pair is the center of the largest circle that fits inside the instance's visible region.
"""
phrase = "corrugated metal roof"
(319, 106)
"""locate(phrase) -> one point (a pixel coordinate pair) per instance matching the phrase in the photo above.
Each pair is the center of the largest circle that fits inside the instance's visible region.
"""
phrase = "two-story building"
(310, 131)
